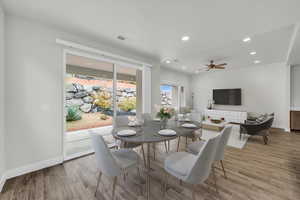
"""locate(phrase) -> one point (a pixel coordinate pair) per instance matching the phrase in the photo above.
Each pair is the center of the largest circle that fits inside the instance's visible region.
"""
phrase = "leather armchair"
(258, 128)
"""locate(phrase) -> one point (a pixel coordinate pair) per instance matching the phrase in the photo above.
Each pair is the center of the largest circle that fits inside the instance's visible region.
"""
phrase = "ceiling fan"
(215, 66)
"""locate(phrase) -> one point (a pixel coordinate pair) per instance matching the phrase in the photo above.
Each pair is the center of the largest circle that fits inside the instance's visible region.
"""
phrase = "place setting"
(167, 132)
(188, 125)
(126, 133)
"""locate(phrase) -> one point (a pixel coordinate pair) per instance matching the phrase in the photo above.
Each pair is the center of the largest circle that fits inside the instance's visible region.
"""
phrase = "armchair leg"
(266, 139)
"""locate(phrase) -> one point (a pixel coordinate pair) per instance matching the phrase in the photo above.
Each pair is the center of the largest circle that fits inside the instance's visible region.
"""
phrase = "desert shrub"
(128, 104)
(73, 113)
(103, 116)
(103, 100)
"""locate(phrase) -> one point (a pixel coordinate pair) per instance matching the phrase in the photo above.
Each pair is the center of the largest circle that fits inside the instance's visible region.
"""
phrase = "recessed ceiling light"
(252, 53)
(247, 39)
(185, 38)
(168, 61)
(183, 67)
(257, 61)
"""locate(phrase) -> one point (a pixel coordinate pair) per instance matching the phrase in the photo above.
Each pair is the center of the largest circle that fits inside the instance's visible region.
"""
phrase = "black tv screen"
(227, 96)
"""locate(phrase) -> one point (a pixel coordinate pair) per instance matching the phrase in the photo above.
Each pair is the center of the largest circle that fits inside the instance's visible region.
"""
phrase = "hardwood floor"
(256, 172)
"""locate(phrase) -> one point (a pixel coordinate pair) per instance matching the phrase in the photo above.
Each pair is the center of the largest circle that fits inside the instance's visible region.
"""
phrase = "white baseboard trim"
(2, 181)
(76, 155)
(287, 130)
(33, 167)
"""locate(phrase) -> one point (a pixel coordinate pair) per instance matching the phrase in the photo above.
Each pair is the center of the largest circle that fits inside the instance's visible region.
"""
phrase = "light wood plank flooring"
(256, 172)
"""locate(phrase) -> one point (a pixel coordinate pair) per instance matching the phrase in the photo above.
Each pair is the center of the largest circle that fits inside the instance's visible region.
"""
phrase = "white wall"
(171, 77)
(263, 89)
(295, 86)
(2, 154)
(34, 89)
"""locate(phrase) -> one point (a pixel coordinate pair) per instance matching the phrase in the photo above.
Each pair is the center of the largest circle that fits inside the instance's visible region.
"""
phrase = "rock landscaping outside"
(166, 95)
(89, 101)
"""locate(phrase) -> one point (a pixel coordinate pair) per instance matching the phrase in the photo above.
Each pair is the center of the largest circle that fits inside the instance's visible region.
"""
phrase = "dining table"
(147, 133)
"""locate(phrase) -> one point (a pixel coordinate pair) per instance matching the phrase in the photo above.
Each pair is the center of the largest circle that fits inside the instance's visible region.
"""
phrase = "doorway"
(172, 96)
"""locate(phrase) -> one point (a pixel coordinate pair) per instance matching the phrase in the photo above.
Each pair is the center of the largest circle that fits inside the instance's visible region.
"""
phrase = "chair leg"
(144, 158)
(98, 182)
(138, 172)
(221, 161)
(140, 177)
(124, 176)
(186, 142)
(165, 184)
(194, 192)
(154, 151)
(166, 146)
(215, 177)
(114, 187)
(178, 143)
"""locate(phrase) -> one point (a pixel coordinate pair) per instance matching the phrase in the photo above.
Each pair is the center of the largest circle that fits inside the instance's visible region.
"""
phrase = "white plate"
(167, 132)
(187, 125)
(133, 124)
(185, 120)
(126, 133)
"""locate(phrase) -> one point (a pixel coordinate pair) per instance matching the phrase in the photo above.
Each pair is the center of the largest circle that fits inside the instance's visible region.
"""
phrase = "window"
(172, 96)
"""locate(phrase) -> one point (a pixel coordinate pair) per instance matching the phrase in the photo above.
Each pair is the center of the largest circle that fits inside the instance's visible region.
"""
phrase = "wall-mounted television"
(227, 96)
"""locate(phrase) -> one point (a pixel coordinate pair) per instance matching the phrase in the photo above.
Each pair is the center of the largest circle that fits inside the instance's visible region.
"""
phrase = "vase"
(163, 123)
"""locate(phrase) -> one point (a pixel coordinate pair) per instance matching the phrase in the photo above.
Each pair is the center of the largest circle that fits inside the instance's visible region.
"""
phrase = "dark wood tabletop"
(148, 132)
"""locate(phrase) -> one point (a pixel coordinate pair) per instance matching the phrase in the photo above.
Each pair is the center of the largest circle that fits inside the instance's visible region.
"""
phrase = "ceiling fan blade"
(219, 67)
(209, 68)
(223, 64)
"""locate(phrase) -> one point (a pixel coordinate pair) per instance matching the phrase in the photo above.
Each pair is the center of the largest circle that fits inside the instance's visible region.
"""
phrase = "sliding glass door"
(95, 92)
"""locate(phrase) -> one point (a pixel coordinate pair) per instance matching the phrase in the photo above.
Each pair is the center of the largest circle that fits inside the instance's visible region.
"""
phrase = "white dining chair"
(194, 116)
(190, 168)
(122, 121)
(195, 147)
(112, 163)
(146, 117)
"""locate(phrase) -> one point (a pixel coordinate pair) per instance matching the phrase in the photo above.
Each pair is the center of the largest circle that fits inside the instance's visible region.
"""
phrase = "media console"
(229, 116)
